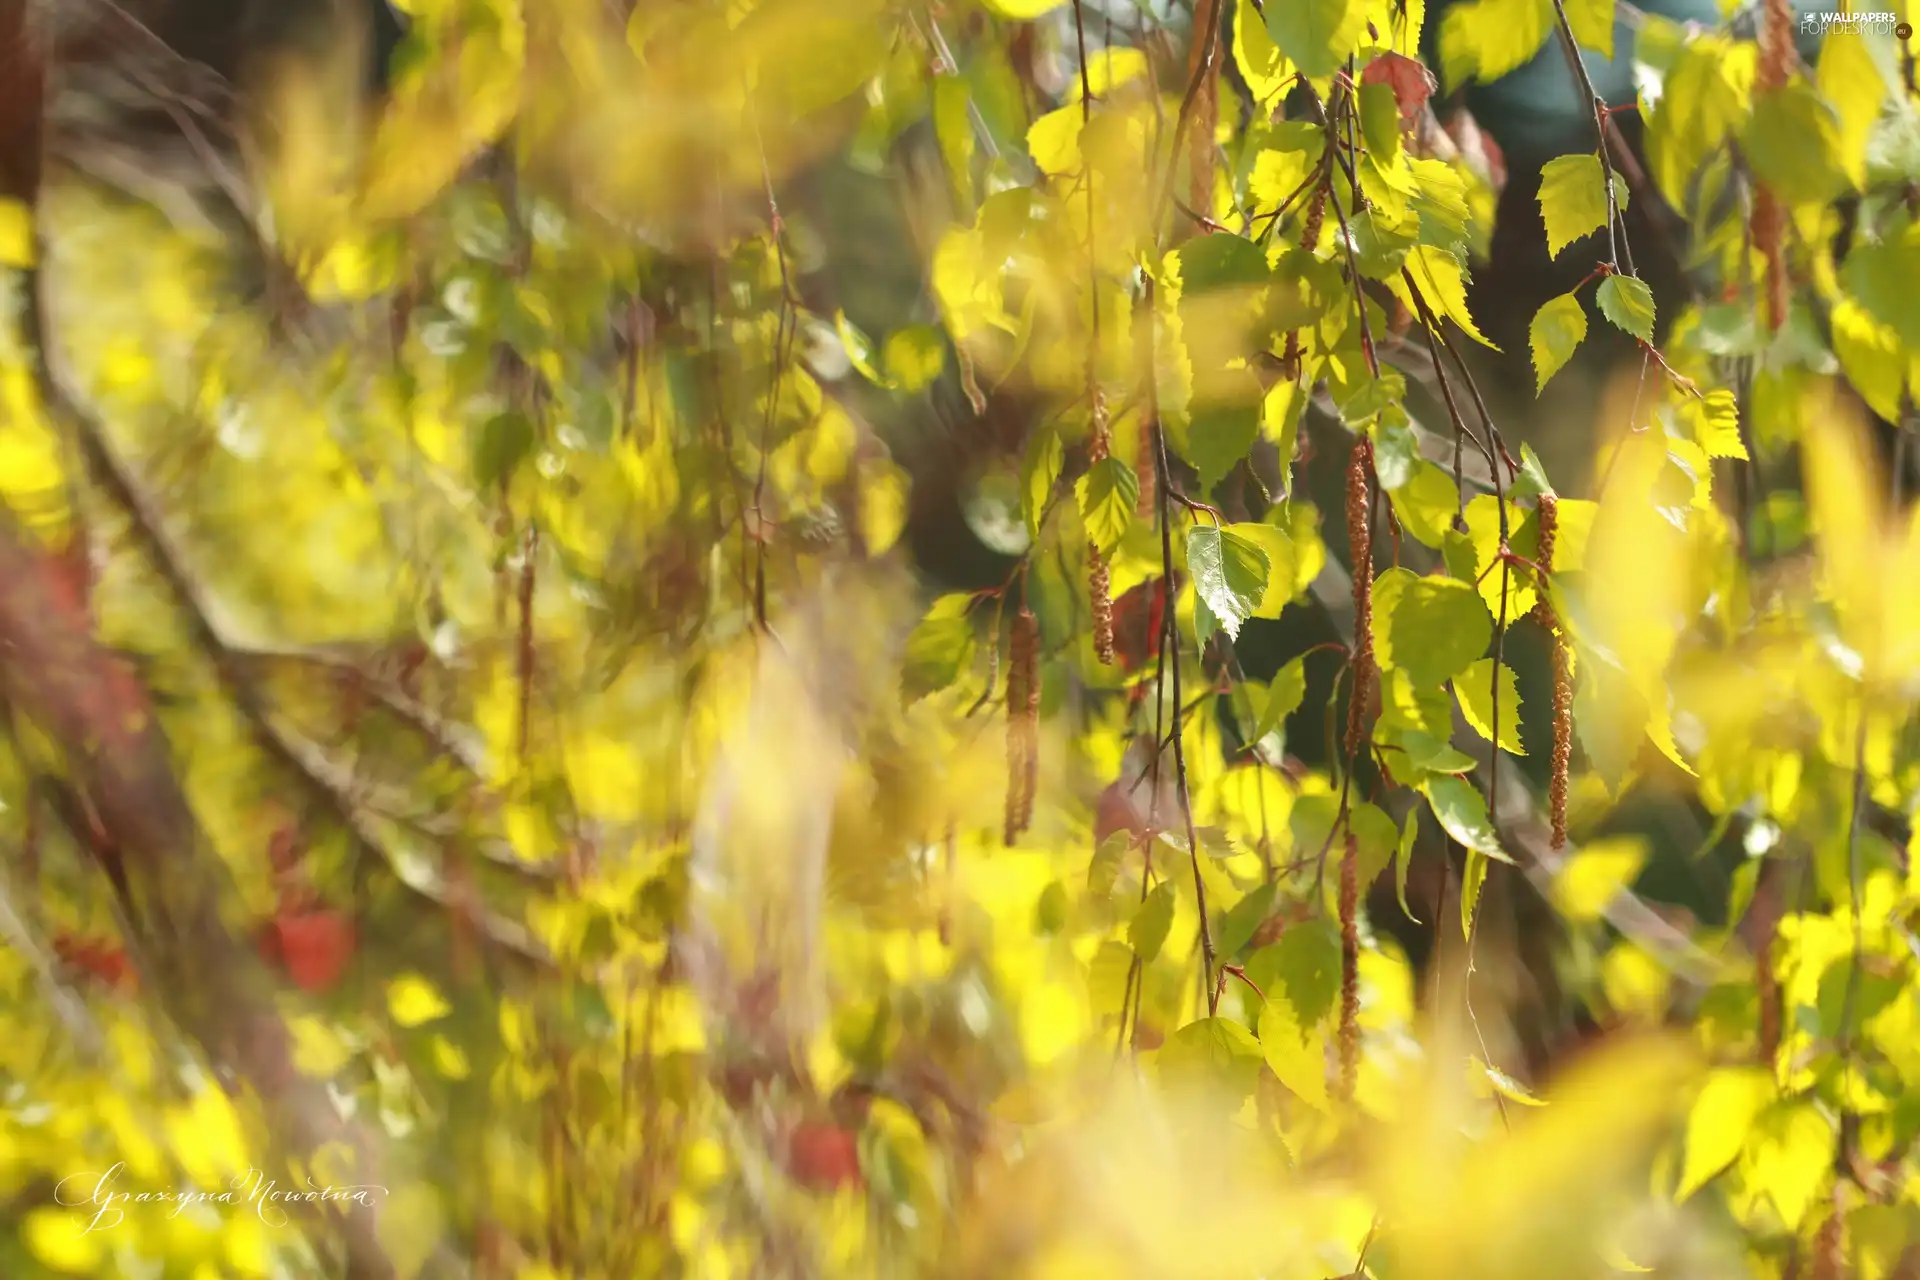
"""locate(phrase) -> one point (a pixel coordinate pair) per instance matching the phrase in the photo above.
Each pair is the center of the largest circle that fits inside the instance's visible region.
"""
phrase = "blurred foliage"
(663, 881)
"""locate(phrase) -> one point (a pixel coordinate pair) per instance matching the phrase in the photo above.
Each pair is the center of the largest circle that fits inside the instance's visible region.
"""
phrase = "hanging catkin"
(1309, 241)
(1360, 539)
(1023, 721)
(1097, 579)
(1349, 966)
(1830, 1244)
(1548, 516)
(1767, 226)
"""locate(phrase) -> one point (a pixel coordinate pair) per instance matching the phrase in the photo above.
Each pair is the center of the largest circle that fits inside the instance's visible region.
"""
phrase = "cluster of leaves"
(628, 865)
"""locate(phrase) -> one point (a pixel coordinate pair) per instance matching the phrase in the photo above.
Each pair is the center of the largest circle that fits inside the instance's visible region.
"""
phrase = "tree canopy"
(487, 791)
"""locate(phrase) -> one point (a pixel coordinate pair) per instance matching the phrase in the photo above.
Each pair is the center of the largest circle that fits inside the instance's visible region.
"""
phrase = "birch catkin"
(1309, 241)
(1548, 515)
(1360, 539)
(1349, 967)
(1097, 577)
(1023, 721)
(1830, 1243)
(1767, 225)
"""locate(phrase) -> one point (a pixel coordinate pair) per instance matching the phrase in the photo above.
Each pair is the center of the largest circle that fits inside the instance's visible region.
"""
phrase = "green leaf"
(1218, 437)
(1438, 627)
(1314, 817)
(1109, 493)
(1719, 1122)
(1793, 142)
(1427, 503)
(1592, 23)
(1221, 261)
(504, 443)
(1245, 919)
(1303, 968)
(1388, 586)
(1295, 1051)
(1473, 878)
(1403, 860)
(1318, 35)
(1278, 546)
(939, 648)
(1487, 39)
(1442, 281)
(1507, 1087)
(1558, 327)
(1474, 688)
(859, 349)
(1151, 924)
(1229, 574)
(1462, 810)
(1038, 475)
(1434, 755)
(1104, 870)
(1380, 122)
(1280, 414)
(1870, 353)
(1627, 304)
(915, 355)
(1532, 480)
(1884, 277)
(1218, 1051)
(1284, 696)
(1573, 198)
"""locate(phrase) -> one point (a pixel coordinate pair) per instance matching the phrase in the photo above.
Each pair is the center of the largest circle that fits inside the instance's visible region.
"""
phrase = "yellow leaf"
(1789, 1157)
(1718, 1125)
(1851, 83)
(1590, 879)
(413, 1001)
(1498, 1081)
(1053, 1017)
(603, 775)
(449, 1059)
(1023, 10)
(1297, 1055)
(318, 1050)
(1054, 141)
(1266, 69)
(70, 1240)
(16, 235)
(1474, 688)
(883, 505)
(1443, 286)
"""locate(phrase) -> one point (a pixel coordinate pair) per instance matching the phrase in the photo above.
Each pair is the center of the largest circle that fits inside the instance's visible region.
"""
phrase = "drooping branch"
(212, 984)
(304, 760)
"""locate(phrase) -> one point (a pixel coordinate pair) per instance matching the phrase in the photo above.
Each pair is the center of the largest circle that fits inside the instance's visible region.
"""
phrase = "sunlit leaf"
(1462, 810)
(1627, 303)
(1474, 688)
(1573, 199)
(1557, 330)
(1717, 1125)
(1229, 573)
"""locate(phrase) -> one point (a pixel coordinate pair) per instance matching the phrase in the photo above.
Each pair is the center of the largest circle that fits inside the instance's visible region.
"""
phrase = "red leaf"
(822, 1156)
(1412, 84)
(99, 960)
(1137, 616)
(315, 946)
